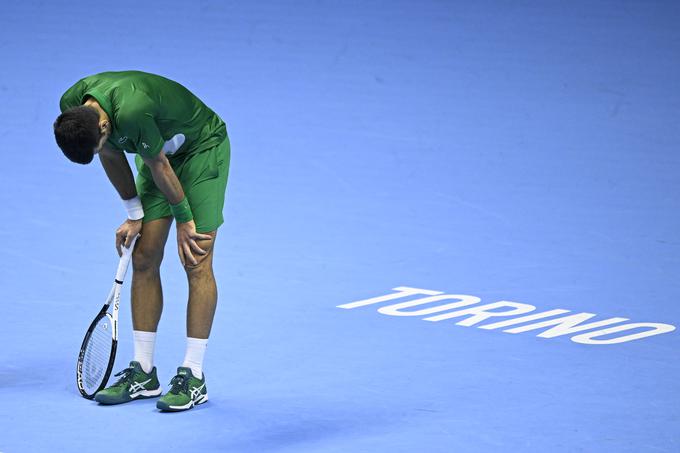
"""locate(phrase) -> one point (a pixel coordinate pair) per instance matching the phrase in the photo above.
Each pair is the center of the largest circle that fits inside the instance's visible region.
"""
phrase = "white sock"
(194, 356)
(144, 346)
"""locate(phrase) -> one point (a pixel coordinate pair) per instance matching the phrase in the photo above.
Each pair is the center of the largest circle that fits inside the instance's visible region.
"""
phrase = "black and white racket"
(98, 351)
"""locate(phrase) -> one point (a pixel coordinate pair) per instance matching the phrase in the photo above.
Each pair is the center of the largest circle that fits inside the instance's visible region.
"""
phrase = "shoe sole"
(167, 408)
(143, 394)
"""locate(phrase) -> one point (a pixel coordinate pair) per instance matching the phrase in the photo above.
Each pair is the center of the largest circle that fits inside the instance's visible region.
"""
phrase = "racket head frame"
(83, 349)
(113, 297)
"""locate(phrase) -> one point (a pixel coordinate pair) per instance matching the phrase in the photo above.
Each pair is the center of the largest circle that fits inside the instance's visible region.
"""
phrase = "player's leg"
(147, 293)
(202, 292)
(140, 380)
(206, 197)
(207, 201)
(188, 387)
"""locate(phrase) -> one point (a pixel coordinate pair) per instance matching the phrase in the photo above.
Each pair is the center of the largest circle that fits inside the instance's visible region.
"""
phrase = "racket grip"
(125, 261)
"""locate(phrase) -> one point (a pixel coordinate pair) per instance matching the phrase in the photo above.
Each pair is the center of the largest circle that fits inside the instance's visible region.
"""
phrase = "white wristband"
(134, 208)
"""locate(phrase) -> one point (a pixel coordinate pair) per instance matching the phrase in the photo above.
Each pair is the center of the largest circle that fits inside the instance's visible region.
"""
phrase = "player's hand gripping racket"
(98, 351)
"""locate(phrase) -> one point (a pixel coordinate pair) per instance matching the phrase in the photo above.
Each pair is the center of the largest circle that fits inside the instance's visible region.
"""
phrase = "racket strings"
(97, 355)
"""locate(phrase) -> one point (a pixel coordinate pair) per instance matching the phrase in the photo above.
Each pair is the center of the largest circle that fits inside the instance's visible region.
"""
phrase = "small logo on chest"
(122, 140)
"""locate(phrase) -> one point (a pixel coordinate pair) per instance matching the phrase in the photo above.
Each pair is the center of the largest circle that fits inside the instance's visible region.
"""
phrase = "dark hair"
(77, 133)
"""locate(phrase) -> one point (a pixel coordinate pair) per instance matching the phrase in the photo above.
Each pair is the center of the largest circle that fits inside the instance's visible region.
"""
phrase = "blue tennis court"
(450, 226)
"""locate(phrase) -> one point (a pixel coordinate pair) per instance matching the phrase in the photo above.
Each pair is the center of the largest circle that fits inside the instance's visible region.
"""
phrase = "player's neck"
(91, 102)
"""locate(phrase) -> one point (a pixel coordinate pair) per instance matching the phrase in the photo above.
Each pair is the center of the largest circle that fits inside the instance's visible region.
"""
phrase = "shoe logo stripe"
(196, 392)
(136, 386)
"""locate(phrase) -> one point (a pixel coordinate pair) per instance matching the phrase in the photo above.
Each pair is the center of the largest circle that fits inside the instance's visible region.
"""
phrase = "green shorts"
(204, 179)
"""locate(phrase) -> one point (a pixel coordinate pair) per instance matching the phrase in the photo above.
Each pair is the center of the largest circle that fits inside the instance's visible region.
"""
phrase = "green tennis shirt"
(149, 113)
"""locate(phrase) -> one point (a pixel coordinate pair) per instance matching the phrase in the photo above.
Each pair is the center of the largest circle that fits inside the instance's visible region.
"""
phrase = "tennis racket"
(98, 351)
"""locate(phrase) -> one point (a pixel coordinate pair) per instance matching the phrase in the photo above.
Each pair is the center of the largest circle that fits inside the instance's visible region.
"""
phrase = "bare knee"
(148, 252)
(146, 260)
(203, 266)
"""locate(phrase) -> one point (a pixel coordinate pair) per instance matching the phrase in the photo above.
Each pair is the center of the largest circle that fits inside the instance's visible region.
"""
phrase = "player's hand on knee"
(126, 233)
(186, 243)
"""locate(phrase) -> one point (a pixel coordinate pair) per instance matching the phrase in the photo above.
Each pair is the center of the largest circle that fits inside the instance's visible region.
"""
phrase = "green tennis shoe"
(133, 384)
(186, 392)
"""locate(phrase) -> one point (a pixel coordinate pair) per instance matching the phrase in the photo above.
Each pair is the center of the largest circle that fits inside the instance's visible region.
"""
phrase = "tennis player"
(182, 159)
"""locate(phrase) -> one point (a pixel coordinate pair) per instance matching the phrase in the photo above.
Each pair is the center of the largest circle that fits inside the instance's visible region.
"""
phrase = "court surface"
(508, 151)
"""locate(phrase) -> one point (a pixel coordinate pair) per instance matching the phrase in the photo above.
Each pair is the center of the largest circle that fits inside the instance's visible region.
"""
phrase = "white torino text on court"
(452, 307)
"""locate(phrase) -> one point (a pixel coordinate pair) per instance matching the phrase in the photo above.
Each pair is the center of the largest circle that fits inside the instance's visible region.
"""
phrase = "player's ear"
(104, 127)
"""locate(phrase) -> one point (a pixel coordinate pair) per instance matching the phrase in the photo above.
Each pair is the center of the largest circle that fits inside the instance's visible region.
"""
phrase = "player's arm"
(165, 178)
(119, 173)
(166, 181)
